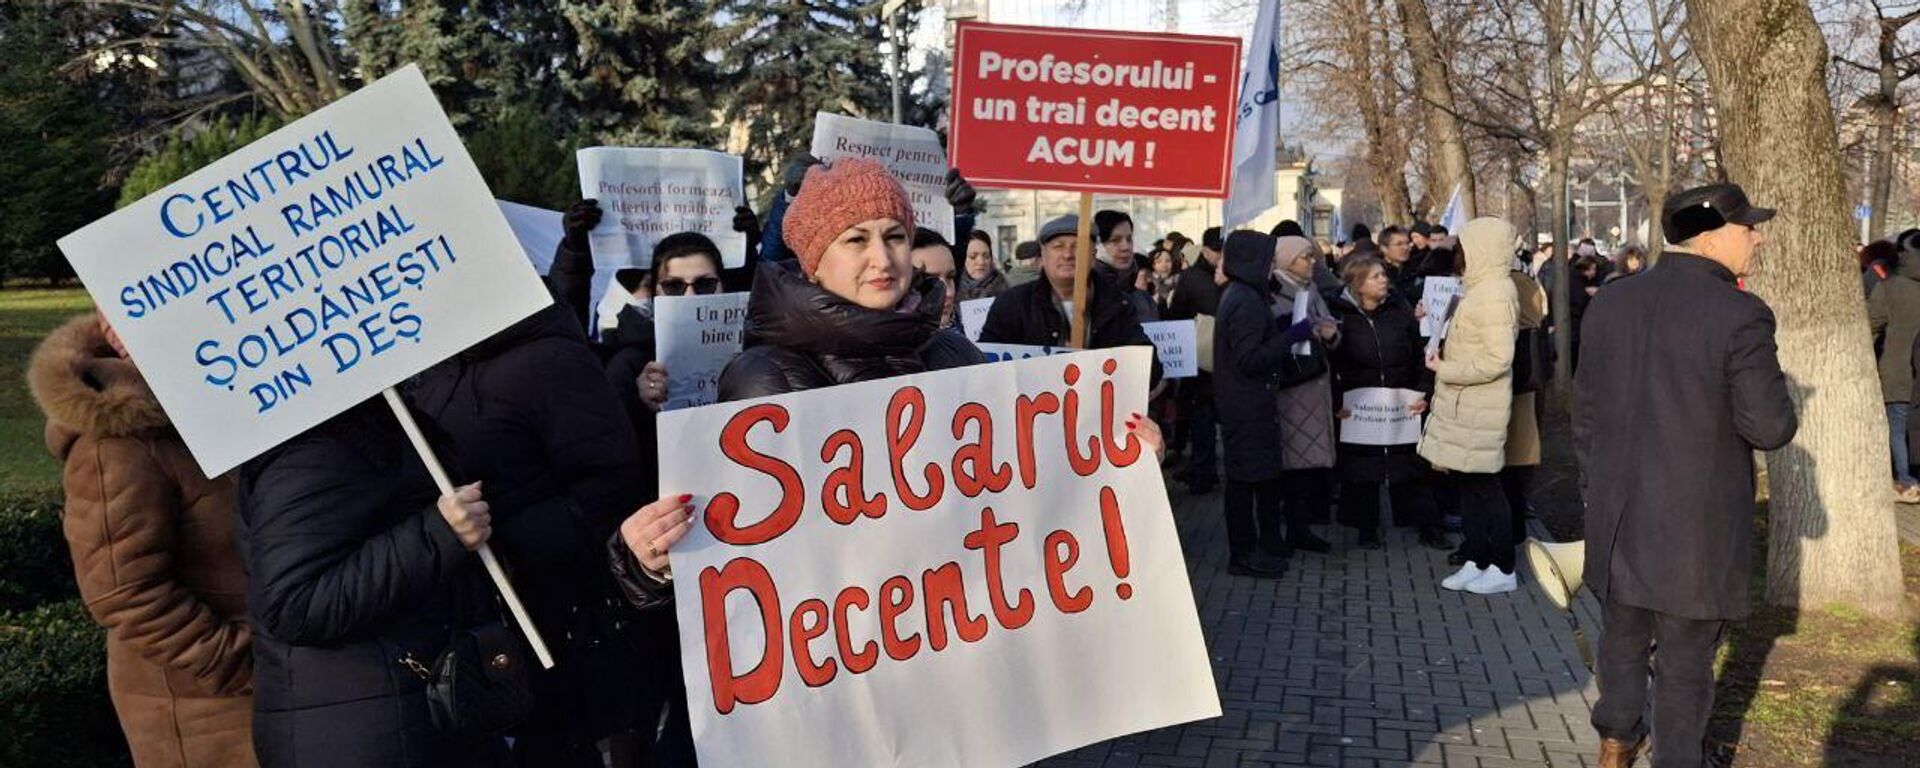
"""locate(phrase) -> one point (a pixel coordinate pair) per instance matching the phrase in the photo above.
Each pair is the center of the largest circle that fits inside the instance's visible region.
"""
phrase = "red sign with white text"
(1135, 113)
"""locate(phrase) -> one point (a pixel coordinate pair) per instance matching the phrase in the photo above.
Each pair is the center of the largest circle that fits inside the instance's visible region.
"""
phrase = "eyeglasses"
(674, 286)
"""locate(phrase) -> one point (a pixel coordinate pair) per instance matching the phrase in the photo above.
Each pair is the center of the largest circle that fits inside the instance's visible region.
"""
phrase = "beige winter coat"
(1473, 391)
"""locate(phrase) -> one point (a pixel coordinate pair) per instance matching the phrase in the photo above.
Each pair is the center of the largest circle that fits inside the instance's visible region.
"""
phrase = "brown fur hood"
(85, 389)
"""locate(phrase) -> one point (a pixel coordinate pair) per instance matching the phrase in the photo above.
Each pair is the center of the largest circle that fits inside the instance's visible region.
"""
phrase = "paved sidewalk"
(1359, 659)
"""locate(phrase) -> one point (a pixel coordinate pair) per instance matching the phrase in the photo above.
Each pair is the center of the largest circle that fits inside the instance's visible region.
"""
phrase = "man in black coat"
(1686, 362)
(1198, 293)
(1038, 313)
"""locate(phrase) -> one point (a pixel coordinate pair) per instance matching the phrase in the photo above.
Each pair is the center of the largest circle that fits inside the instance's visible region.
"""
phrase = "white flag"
(1455, 217)
(1257, 125)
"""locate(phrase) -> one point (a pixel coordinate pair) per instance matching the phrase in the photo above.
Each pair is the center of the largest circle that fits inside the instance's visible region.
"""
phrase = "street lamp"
(890, 11)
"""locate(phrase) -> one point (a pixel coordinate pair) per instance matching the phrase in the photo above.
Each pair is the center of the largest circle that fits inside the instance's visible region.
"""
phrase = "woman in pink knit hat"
(854, 311)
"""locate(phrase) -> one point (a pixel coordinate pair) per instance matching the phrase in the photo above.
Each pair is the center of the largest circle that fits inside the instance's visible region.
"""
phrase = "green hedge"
(35, 568)
(53, 690)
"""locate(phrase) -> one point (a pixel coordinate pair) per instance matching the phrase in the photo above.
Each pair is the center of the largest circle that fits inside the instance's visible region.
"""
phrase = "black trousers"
(1203, 440)
(1309, 494)
(1253, 516)
(1412, 500)
(1486, 524)
(1517, 482)
(1682, 688)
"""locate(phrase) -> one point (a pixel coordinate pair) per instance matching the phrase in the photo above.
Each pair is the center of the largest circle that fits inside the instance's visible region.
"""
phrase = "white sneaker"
(1494, 582)
(1460, 579)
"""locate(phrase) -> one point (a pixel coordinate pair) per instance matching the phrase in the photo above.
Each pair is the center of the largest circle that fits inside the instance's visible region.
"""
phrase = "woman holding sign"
(1380, 350)
(152, 545)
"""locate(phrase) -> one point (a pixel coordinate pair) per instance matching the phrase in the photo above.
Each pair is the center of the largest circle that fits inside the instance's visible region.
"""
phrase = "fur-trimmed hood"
(85, 389)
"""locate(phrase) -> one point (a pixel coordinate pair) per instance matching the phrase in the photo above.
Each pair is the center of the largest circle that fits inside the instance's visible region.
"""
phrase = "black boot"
(1370, 538)
(1432, 537)
(1258, 564)
(1300, 534)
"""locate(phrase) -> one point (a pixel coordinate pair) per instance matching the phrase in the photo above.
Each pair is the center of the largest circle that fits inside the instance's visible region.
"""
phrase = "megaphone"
(1557, 568)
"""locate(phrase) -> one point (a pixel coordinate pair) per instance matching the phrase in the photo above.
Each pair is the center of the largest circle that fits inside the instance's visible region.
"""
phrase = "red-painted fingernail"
(686, 497)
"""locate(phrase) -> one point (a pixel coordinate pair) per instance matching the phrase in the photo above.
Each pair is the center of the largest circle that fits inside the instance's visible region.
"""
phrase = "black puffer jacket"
(629, 347)
(801, 337)
(1250, 354)
(530, 414)
(1378, 349)
(1026, 314)
(350, 569)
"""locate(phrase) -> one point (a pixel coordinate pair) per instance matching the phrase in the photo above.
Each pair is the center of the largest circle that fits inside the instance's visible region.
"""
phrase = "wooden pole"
(499, 576)
(1082, 267)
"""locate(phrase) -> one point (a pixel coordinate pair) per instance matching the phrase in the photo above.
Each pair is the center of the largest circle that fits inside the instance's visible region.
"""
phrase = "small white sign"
(307, 271)
(1380, 416)
(1001, 353)
(915, 156)
(538, 230)
(973, 316)
(696, 336)
(1437, 297)
(647, 194)
(1177, 346)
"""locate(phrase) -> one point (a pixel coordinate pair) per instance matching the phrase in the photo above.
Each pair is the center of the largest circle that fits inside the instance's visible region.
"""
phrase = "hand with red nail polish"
(1147, 431)
(655, 528)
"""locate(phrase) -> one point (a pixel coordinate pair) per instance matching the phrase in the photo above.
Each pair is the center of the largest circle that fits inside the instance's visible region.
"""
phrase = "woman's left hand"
(1433, 361)
(655, 528)
(1417, 408)
(1148, 433)
(653, 385)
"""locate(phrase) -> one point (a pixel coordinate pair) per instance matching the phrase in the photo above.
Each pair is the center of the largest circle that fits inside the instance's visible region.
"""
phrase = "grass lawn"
(26, 315)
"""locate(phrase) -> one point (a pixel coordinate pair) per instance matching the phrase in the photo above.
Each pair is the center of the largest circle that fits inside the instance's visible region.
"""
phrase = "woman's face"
(1163, 264)
(1301, 268)
(688, 274)
(979, 260)
(867, 264)
(1374, 286)
(1120, 245)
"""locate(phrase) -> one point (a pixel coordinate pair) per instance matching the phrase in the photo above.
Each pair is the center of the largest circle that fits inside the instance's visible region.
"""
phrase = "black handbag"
(481, 683)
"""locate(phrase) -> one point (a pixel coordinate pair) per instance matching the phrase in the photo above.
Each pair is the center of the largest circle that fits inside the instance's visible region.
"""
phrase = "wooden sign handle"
(494, 571)
(1082, 268)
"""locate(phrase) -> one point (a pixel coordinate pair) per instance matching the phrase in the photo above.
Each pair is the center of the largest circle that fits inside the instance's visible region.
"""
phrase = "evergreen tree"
(524, 161)
(785, 60)
(55, 139)
(638, 74)
(482, 58)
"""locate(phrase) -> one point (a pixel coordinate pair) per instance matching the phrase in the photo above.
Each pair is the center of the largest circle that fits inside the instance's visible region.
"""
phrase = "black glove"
(578, 220)
(796, 171)
(746, 223)
(959, 192)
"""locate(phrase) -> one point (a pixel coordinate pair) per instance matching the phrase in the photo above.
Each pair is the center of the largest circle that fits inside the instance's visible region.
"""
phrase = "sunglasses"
(677, 287)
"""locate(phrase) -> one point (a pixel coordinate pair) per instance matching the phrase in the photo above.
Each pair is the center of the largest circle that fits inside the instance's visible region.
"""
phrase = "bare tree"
(1893, 64)
(1446, 141)
(1832, 531)
(285, 51)
(1341, 57)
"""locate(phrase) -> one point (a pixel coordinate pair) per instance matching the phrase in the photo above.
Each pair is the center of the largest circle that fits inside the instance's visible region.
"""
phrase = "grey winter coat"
(1308, 433)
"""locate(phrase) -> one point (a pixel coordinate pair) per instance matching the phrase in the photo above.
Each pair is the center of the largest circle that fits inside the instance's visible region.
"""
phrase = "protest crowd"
(320, 605)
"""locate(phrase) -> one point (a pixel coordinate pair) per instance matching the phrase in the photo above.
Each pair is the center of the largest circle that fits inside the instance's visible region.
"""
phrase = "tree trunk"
(1886, 112)
(1446, 142)
(1386, 151)
(1833, 538)
(1559, 154)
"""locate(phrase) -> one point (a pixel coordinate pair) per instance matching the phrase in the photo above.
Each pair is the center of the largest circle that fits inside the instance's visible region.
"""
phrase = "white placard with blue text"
(304, 273)
(1177, 345)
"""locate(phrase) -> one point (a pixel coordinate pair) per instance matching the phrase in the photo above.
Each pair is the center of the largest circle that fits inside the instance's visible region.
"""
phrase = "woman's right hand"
(653, 385)
(1419, 310)
(1344, 414)
(579, 219)
(467, 515)
(1417, 408)
(655, 528)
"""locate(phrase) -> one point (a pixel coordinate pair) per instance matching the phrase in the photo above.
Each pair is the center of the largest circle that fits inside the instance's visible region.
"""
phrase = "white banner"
(915, 599)
(1437, 297)
(973, 316)
(538, 230)
(304, 273)
(1257, 123)
(1178, 347)
(696, 336)
(914, 155)
(647, 194)
(1380, 416)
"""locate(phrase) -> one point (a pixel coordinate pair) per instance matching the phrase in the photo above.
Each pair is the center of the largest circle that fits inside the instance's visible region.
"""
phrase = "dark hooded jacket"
(800, 336)
(1381, 348)
(1026, 314)
(1894, 311)
(1252, 358)
(350, 570)
(629, 347)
